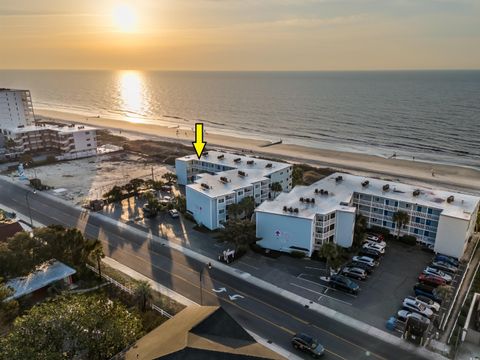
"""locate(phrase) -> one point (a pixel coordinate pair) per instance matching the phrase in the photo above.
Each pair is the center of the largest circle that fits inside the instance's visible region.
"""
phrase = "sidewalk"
(321, 309)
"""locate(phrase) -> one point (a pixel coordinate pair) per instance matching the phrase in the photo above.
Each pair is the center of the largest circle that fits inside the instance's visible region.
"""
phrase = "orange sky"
(240, 34)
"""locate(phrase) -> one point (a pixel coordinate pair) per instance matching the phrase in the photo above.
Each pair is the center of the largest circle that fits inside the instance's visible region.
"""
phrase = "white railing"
(128, 290)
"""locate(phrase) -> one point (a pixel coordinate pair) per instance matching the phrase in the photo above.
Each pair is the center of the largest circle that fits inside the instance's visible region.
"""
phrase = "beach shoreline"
(420, 172)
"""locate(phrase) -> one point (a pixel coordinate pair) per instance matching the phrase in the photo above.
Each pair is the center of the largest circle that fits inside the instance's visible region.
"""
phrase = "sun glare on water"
(125, 18)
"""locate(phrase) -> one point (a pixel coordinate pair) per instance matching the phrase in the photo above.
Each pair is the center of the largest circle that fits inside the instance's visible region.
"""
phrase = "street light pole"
(209, 266)
(28, 205)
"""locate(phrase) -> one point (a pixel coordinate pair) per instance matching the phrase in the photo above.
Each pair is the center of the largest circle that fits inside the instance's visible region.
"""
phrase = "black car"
(308, 344)
(360, 265)
(343, 283)
(370, 253)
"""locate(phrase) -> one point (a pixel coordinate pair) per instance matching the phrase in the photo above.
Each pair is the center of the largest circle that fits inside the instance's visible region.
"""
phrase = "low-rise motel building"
(309, 216)
(219, 179)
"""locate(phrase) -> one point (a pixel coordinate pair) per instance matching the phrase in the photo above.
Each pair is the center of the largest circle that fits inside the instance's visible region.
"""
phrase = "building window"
(332, 226)
(240, 193)
(387, 202)
(419, 208)
(221, 211)
(415, 231)
(396, 203)
(427, 233)
(221, 201)
(430, 211)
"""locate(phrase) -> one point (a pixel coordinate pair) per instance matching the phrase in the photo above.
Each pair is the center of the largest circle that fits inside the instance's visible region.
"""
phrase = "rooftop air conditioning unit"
(416, 192)
(312, 200)
(237, 160)
(269, 165)
(295, 210)
(339, 178)
(285, 208)
(290, 209)
(205, 186)
(450, 199)
(224, 179)
(365, 183)
(220, 157)
(250, 162)
(205, 153)
(241, 173)
(386, 187)
(301, 199)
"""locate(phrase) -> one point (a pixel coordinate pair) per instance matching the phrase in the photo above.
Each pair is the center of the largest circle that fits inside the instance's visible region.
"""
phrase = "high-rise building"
(16, 108)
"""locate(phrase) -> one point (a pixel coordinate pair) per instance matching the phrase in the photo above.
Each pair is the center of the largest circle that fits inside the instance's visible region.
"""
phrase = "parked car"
(360, 265)
(365, 260)
(427, 291)
(370, 253)
(403, 315)
(174, 213)
(444, 266)
(354, 272)
(426, 301)
(415, 306)
(379, 236)
(436, 272)
(374, 246)
(431, 280)
(380, 243)
(344, 283)
(308, 344)
(374, 238)
(447, 259)
(427, 247)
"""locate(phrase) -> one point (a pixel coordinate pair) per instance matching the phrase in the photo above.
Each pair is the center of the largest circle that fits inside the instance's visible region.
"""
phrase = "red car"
(431, 280)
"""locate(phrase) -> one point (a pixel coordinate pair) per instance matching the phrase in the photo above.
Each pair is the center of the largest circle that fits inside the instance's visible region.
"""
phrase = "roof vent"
(416, 192)
(339, 178)
(312, 200)
(302, 199)
(450, 199)
(205, 186)
(269, 165)
(316, 191)
(290, 209)
(242, 173)
(224, 179)
(250, 162)
(307, 200)
(386, 187)
(285, 208)
(237, 160)
(365, 183)
(295, 210)
(221, 157)
(325, 192)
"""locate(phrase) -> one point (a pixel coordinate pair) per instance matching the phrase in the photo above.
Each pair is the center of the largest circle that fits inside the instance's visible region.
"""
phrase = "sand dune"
(454, 177)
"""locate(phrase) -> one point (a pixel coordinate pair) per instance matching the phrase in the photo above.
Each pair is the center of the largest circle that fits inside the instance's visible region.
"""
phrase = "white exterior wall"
(280, 232)
(84, 140)
(344, 226)
(15, 109)
(202, 207)
(181, 171)
(284, 177)
(451, 236)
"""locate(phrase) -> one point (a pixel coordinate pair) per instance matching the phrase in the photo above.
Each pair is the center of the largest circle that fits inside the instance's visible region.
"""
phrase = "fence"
(128, 290)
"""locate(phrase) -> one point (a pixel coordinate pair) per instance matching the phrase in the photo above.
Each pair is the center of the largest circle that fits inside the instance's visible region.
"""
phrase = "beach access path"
(271, 312)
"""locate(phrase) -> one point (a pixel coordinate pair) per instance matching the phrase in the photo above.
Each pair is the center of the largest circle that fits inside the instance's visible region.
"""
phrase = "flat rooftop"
(242, 163)
(235, 181)
(339, 192)
(62, 129)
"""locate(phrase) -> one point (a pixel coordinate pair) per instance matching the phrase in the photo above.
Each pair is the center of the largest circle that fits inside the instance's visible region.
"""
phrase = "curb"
(321, 309)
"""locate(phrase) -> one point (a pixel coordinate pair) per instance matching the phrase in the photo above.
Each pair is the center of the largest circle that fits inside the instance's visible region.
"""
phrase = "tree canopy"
(401, 219)
(241, 232)
(80, 326)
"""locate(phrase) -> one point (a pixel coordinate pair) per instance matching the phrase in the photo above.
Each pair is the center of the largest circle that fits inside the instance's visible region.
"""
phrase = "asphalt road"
(263, 312)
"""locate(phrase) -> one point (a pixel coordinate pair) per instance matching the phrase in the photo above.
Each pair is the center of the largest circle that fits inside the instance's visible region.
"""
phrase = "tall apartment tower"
(16, 109)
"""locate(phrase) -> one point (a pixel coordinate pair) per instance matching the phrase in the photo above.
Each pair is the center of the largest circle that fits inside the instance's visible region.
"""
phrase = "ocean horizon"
(429, 115)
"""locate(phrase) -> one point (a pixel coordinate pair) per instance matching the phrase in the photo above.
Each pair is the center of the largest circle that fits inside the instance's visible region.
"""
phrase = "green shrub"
(297, 254)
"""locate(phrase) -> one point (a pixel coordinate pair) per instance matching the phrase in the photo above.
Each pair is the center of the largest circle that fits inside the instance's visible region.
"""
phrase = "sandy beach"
(454, 177)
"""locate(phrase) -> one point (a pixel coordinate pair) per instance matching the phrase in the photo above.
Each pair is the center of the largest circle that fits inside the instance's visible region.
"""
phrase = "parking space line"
(325, 286)
(314, 268)
(244, 263)
(321, 294)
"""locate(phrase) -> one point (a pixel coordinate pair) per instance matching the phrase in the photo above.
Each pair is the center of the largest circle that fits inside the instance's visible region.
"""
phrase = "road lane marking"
(328, 288)
(244, 263)
(196, 286)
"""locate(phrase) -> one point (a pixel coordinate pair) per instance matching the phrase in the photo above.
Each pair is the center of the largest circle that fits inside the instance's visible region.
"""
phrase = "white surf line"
(325, 286)
(321, 294)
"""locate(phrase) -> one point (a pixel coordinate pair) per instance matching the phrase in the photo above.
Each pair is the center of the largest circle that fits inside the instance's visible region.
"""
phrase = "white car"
(416, 306)
(365, 260)
(373, 238)
(426, 301)
(403, 315)
(445, 266)
(381, 243)
(376, 247)
(435, 272)
(173, 213)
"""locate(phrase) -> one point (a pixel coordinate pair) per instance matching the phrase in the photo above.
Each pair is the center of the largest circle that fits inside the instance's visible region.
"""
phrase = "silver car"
(354, 272)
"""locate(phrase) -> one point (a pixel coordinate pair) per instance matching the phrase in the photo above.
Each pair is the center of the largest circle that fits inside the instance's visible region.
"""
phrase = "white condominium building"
(219, 179)
(16, 108)
(64, 139)
(309, 216)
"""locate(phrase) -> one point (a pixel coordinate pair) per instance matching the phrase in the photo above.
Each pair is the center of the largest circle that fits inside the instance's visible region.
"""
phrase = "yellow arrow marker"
(199, 144)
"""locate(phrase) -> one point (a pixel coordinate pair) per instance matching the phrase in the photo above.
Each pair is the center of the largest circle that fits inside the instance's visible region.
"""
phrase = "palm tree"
(234, 211)
(247, 206)
(401, 219)
(276, 187)
(329, 251)
(95, 250)
(169, 178)
(143, 294)
(444, 292)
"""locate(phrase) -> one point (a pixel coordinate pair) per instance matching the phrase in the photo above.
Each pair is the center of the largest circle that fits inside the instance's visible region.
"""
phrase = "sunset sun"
(125, 18)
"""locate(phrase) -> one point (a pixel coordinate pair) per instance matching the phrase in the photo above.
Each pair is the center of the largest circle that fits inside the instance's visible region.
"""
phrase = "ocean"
(430, 115)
